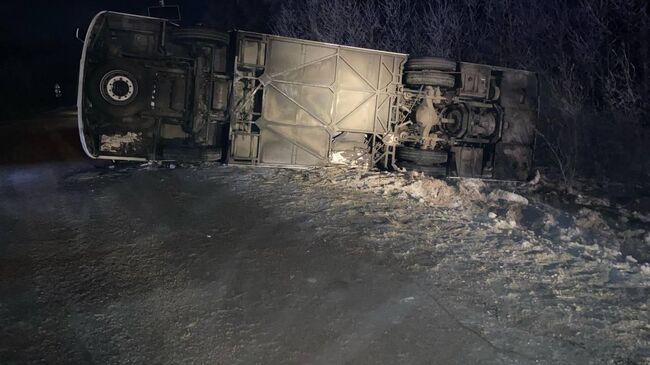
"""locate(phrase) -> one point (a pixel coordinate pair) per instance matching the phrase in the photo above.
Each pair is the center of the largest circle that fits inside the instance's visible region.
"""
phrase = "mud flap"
(469, 161)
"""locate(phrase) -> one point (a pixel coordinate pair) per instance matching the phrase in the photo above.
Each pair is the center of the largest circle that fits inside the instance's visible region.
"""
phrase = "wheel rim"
(118, 87)
(459, 115)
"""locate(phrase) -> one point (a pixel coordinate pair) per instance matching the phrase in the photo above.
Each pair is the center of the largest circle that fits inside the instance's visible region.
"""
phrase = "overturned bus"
(152, 90)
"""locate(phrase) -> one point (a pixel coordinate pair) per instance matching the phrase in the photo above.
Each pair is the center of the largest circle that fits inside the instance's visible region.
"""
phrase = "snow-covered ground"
(498, 247)
(217, 264)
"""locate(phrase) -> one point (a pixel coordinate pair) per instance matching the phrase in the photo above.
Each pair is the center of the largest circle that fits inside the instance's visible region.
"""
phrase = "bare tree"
(440, 28)
(336, 21)
(622, 92)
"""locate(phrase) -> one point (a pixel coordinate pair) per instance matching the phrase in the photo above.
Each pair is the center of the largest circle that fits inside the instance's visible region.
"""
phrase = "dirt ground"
(133, 264)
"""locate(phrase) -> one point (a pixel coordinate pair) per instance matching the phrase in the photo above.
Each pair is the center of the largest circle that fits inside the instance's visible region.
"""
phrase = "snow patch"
(117, 142)
(499, 194)
(472, 189)
(412, 185)
(645, 269)
(433, 191)
(358, 158)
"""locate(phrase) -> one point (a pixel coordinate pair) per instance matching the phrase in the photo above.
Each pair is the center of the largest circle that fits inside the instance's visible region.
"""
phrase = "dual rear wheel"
(430, 71)
(427, 71)
(431, 163)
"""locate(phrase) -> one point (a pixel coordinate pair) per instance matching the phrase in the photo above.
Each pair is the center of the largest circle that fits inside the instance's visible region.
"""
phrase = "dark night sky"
(40, 21)
(38, 47)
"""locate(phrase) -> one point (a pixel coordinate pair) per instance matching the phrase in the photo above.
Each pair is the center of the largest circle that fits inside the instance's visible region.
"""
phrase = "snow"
(115, 142)
(507, 196)
(358, 158)
(557, 275)
(413, 185)
(532, 281)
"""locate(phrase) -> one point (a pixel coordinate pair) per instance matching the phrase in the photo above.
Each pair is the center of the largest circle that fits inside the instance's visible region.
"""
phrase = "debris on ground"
(499, 194)
(472, 190)
(556, 263)
(590, 219)
(358, 158)
(536, 274)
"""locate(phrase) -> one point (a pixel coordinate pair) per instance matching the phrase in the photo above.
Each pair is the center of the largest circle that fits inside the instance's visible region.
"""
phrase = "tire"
(434, 171)
(421, 157)
(194, 34)
(430, 78)
(430, 63)
(134, 96)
